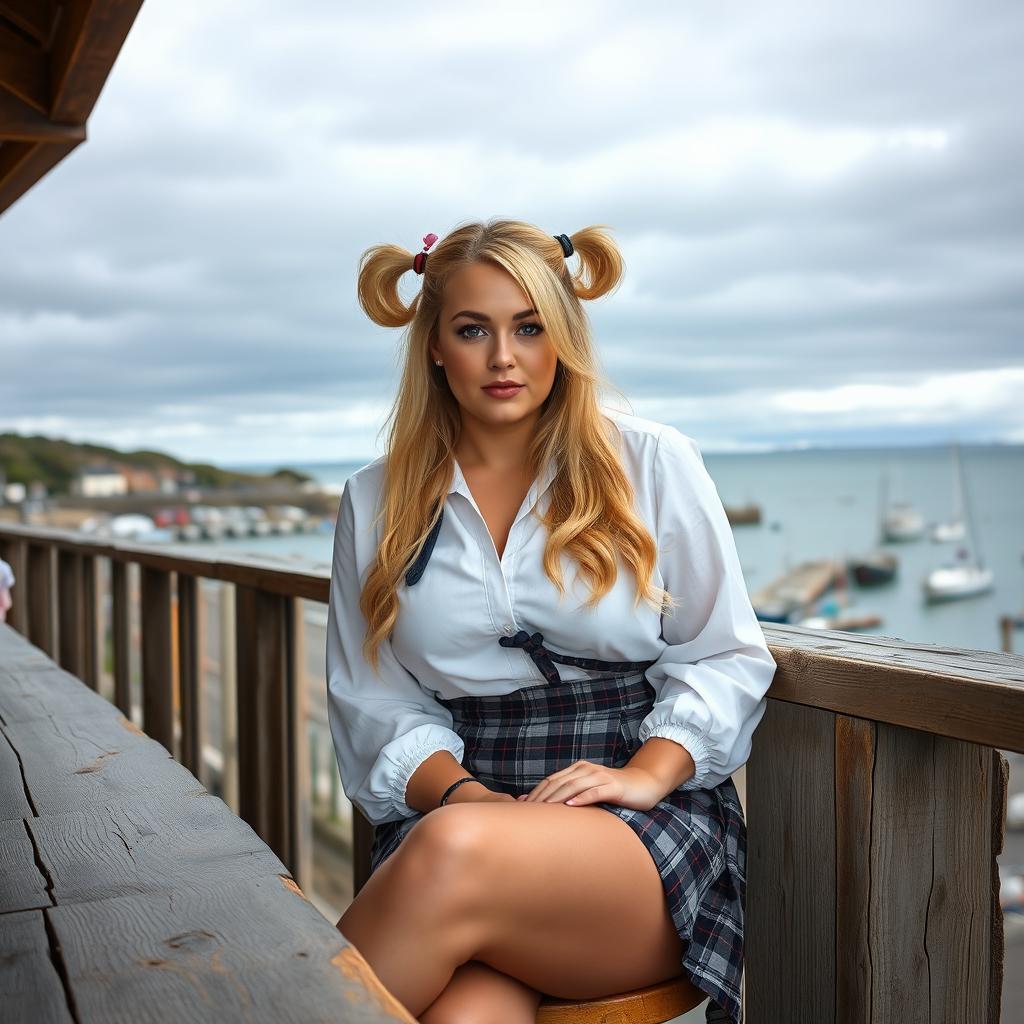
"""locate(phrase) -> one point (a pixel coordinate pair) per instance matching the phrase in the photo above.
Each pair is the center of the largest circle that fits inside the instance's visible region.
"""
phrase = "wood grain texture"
(22, 884)
(266, 750)
(790, 929)
(131, 893)
(30, 986)
(855, 755)
(71, 763)
(250, 950)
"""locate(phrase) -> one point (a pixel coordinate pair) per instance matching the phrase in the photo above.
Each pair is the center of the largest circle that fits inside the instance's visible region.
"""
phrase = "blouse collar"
(537, 488)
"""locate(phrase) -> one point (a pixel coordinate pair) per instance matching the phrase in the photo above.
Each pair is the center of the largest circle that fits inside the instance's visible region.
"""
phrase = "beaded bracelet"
(454, 786)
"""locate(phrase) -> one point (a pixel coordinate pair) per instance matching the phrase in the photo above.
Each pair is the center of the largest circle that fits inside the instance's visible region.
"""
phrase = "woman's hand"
(587, 783)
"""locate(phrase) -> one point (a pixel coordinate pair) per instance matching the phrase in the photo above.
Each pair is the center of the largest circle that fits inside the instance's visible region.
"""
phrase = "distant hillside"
(55, 462)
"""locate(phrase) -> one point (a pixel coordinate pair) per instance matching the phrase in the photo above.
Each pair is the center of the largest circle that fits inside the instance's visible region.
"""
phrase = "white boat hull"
(950, 583)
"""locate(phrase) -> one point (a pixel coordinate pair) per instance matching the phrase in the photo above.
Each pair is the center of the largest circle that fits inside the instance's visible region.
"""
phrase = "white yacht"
(967, 575)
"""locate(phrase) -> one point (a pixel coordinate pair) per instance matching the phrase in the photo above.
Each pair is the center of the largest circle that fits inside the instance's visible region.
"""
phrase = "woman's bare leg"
(565, 899)
(479, 993)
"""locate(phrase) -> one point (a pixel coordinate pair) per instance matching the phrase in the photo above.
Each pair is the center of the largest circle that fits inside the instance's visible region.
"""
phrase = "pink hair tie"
(419, 261)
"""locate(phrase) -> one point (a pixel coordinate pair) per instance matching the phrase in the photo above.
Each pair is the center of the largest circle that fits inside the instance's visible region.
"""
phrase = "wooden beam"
(264, 643)
(120, 634)
(19, 121)
(157, 666)
(32, 16)
(23, 70)
(88, 39)
(22, 164)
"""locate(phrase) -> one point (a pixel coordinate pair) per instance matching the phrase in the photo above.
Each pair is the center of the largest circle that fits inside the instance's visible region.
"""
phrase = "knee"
(446, 849)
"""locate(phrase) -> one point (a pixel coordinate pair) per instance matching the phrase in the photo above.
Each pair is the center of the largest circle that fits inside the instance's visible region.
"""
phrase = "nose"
(501, 353)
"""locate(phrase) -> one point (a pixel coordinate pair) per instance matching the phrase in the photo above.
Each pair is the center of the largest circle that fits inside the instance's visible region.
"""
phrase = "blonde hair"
(591, 512)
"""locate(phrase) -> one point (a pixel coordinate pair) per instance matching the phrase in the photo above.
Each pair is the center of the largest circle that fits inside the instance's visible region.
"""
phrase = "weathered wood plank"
(1000, 790)
(791, 868)
(855, 755)
(958, 934)
(28, 694)
(22, 884)
(13, 802)
(30, 987)
(256, 946)
(173, 845)
(93, 759)
(18, 652)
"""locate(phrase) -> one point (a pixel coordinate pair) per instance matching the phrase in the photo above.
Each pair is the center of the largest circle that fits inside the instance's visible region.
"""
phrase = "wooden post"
(39, 565)
(188, 673)
(302, 817)
(871, 859)
(157, 667)
(70, 618)
(91, 634)
(229, 698)
(120, 632)
(267, 767)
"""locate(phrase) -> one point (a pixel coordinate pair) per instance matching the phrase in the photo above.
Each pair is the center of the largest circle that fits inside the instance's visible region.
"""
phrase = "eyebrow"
(487, 319)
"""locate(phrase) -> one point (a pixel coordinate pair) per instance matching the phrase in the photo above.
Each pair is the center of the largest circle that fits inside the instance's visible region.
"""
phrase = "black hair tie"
(566, 243)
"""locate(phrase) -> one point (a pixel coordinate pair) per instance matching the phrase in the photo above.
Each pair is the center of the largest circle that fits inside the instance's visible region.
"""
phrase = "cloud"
(817, 208)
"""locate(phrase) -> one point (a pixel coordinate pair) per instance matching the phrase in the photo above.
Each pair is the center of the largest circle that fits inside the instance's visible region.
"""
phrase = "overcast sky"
(820, 206)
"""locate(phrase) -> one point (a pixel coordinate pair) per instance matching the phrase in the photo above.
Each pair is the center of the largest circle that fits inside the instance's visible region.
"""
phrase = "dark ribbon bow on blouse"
(544, 659)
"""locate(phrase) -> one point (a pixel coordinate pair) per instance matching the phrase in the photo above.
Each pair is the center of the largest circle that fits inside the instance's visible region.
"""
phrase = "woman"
(536, 601)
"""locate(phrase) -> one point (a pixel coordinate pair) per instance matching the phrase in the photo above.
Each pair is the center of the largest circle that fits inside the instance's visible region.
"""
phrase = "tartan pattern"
(697, 837)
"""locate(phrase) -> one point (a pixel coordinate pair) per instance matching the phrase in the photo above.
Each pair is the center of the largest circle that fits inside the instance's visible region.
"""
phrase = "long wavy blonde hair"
(591, 512)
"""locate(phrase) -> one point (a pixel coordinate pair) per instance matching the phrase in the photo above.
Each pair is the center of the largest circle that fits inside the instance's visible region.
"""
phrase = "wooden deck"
(876, 790)
(131, 893)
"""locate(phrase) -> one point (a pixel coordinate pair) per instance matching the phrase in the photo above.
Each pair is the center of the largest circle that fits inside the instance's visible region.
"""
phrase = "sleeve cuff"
(686, 736)
(409, 760)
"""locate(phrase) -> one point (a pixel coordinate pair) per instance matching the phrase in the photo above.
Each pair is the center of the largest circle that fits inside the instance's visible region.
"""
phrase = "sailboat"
(953, 529)
(968, 575)
(901, 521)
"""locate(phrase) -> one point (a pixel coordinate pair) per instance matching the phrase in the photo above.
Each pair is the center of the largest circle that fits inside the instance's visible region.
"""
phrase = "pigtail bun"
(600, 262)
(380, 269)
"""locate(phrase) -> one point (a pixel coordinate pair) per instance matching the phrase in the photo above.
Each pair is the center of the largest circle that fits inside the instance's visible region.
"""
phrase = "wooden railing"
(875, 797)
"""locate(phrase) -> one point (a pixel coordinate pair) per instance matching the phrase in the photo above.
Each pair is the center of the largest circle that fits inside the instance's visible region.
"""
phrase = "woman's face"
(488, 332)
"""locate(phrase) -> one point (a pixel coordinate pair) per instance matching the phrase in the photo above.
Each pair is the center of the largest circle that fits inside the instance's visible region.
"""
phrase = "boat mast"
(975, 547)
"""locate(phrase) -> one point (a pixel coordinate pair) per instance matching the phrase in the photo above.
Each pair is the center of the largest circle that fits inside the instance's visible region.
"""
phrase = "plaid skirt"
(697, 837)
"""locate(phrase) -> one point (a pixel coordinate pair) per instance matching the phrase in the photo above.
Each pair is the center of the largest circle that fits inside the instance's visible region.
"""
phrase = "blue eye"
(461, 332)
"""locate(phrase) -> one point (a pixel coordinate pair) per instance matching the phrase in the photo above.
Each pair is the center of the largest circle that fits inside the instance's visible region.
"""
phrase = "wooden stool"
(650, 1005)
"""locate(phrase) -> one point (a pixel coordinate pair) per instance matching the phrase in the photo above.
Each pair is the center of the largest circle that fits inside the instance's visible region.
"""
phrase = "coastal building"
(99, 482)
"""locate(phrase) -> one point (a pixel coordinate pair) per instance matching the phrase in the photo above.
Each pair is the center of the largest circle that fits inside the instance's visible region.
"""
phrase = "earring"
(438, 361)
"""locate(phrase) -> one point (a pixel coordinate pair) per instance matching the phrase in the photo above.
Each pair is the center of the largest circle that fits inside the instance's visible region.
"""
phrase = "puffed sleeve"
(711, 679)
(383, 727)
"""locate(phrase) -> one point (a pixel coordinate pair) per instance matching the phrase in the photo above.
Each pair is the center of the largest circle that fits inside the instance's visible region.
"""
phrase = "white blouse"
(713, 665)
